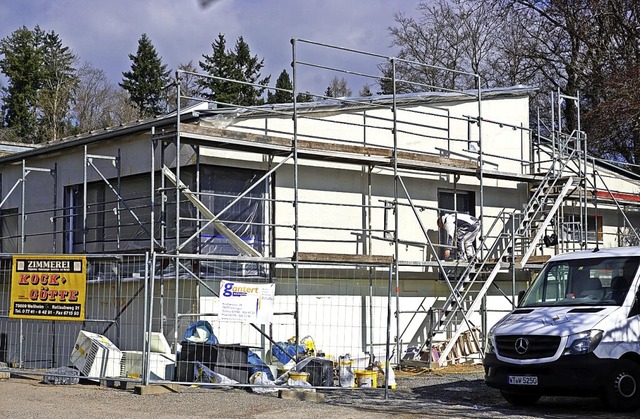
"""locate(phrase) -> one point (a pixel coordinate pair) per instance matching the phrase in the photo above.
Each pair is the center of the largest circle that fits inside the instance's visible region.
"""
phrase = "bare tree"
(449, 35)
(594, 45)
(189, 87)
(338, 88)
(98, 103)
(585, 47)
(121, 111)
(91, 99)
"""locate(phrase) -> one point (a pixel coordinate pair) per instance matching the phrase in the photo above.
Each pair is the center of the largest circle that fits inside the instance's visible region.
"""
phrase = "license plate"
(523, 380)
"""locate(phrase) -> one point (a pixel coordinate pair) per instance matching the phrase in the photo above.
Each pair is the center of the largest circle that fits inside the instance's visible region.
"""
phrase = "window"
(114, 224)
(590, 281)
(220, 186)
(572, 231)
(111, 224)
(465, 203)
(73, 219)
(9, 233)
(94, 236)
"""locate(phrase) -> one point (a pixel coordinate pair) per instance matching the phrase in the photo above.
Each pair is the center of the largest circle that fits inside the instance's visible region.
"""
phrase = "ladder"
(469, 288)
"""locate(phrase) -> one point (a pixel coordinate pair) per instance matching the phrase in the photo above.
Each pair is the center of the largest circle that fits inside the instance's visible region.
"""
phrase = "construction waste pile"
(201, 359)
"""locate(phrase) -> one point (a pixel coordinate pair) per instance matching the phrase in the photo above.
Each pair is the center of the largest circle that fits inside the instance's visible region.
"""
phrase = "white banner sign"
(248, 303)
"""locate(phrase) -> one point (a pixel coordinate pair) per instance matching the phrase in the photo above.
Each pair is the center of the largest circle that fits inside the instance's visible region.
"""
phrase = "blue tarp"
(258, 365)
(281, 350)
(201, 331)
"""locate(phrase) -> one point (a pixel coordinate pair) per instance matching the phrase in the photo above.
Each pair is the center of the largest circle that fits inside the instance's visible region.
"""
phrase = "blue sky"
(104, 32)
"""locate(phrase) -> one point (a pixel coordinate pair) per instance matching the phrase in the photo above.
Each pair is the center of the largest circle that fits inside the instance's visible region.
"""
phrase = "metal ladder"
(469, 288)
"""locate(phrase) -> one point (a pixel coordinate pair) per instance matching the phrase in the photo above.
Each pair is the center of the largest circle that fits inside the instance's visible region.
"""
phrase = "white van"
(575, 332)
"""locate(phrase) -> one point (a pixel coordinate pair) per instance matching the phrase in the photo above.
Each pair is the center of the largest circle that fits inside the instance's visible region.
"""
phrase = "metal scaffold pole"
(296, 220)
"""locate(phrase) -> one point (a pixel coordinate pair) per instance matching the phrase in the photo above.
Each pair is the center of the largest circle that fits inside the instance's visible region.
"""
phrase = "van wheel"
(520, 399)
(622, 387)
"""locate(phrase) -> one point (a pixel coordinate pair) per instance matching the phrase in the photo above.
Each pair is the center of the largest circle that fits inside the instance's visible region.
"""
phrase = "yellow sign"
(48, 287)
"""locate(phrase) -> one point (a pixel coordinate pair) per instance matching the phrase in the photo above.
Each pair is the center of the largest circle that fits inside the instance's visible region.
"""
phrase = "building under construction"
(331, 204)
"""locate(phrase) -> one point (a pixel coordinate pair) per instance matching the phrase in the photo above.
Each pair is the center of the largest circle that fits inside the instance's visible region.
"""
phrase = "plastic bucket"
(296, 375)
(366, 378)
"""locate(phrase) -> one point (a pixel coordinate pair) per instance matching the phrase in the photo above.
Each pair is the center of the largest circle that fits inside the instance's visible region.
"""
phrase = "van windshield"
(594, 281)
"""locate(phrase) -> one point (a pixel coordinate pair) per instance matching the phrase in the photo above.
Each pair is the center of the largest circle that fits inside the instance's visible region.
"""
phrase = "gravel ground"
(452, 392)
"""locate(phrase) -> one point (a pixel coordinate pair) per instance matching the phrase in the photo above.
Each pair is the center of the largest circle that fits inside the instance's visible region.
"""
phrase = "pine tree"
(147, 80)
(219, 64)
(386, 80)
(365, 91)
(304, 97)
(284, 93)
(227, 67)
(249, 69)
(22, 51)
(41, 78)
(328, 92)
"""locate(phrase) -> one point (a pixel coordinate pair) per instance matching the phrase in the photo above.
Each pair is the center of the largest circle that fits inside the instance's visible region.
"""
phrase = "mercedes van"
(575, 332)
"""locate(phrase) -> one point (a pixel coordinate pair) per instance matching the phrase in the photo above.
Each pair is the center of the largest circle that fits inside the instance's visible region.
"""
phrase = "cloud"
(106, 32)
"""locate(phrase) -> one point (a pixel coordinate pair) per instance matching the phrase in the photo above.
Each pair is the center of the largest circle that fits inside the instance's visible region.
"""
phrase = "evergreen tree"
(284, 93)
(41, 78)
(304, 97)
(147, 80)
(230, 67)
(249, 69)
(21, 64)
(219, 64)
(365, 91)
(386, 80)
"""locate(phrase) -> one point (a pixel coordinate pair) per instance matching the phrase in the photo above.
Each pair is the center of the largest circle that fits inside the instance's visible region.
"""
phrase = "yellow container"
(296, 375)
(366, 378)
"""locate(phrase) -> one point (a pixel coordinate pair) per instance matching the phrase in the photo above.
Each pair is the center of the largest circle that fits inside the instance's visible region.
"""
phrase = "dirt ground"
(457, 392)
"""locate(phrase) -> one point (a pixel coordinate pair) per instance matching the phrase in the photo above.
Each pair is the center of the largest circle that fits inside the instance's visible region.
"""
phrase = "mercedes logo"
(522, 346)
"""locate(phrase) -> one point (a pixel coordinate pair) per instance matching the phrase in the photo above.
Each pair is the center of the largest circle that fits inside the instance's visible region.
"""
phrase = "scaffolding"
(371, 139)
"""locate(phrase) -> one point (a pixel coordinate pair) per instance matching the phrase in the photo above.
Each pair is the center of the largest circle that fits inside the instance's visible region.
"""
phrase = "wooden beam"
(340, 258)
(233, 238)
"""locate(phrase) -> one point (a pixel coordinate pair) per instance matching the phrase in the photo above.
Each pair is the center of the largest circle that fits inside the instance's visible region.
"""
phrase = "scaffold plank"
(341, 258)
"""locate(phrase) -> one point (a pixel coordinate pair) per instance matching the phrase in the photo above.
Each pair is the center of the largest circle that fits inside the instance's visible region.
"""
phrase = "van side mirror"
(520, 295)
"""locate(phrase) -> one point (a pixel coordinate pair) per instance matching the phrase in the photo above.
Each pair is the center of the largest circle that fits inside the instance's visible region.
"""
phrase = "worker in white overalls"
(465, 228)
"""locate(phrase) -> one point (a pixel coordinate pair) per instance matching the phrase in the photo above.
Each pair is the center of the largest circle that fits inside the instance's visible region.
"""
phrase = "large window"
(220, 187)
(114, 225)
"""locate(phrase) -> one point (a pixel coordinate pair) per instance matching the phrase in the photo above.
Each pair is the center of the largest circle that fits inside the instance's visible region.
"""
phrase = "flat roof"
(202, 110)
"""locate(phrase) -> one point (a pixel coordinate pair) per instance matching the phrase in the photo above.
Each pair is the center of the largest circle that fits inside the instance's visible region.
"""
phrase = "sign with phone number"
(48, 287)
